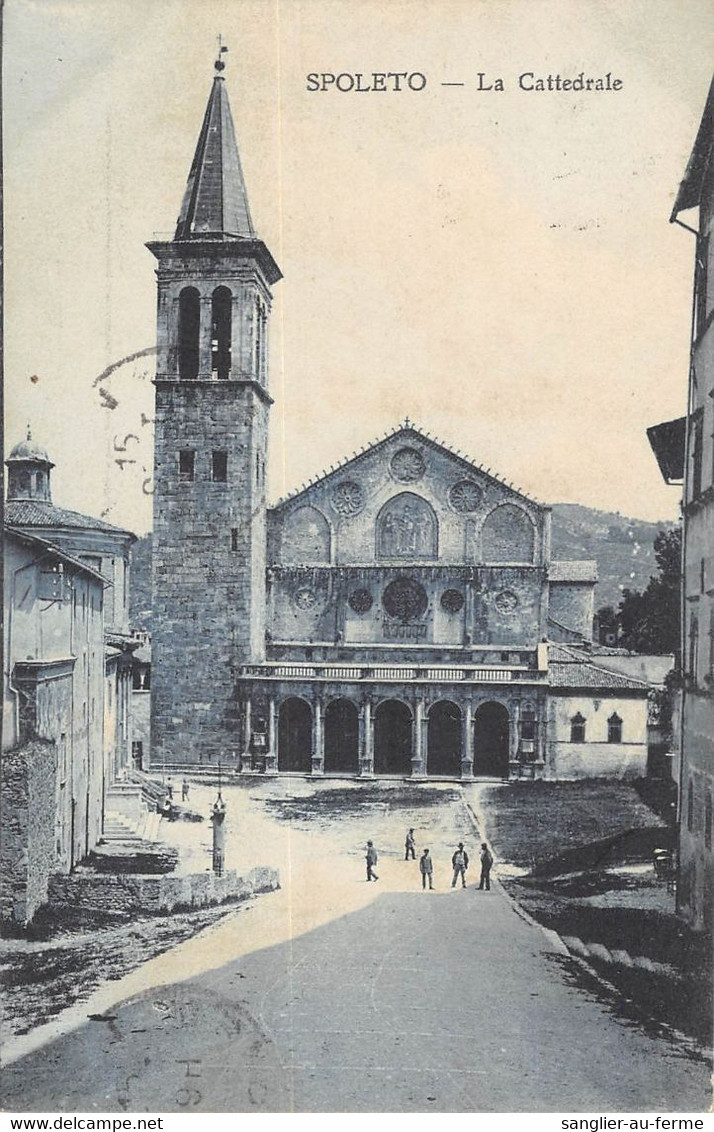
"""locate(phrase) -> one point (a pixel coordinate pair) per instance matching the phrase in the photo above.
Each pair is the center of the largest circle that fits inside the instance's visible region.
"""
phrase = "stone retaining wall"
(132, 892)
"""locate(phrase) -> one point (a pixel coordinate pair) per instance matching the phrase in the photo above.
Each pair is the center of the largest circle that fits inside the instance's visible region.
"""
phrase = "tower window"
(234, 539)
(708, 820)
(221, 319)
(220, 467)
(614, 729)
(188, 331)
(187, 463)
(577, 729)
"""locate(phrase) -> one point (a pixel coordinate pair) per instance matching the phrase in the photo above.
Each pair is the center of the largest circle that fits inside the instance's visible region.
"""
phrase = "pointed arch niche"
(407, 529)
(305, 538)
(508, 535)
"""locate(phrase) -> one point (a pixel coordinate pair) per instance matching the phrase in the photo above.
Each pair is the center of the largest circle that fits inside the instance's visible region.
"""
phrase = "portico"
(395, 721)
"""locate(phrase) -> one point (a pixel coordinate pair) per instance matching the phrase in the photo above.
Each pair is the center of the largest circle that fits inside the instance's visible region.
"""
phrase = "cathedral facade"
(402, 615)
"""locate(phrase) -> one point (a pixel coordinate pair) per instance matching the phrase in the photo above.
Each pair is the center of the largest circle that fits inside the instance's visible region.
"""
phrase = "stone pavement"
(338, 995)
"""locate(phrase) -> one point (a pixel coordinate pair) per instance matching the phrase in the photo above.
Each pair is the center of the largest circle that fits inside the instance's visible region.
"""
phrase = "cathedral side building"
(401, 615)
(685, 452)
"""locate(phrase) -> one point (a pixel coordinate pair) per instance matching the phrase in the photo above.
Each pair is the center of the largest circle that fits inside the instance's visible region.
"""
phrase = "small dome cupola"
(28, 471)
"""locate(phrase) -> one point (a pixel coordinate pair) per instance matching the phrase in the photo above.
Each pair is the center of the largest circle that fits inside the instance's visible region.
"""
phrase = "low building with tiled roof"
(67, 680)
(103, 546)
(597, 718)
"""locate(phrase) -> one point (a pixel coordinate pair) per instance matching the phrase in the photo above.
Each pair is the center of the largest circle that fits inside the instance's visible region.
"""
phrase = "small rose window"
(452, 601)
(361, 601)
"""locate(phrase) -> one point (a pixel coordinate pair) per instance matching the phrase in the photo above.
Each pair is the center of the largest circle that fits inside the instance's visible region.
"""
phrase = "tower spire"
(215, 202)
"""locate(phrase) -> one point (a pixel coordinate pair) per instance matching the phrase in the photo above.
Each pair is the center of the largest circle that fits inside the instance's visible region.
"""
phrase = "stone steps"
(616, 956)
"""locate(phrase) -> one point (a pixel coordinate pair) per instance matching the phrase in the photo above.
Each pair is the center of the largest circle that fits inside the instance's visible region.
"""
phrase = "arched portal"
(392, 738)
(491, 734)
(189, 322)
(341, 737)
(221, 320)
(444, 739)
(295, 736)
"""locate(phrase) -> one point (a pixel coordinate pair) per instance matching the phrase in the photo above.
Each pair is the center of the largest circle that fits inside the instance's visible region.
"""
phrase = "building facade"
(394, 616)
(52, 766)
(685, 451)
(67, 680)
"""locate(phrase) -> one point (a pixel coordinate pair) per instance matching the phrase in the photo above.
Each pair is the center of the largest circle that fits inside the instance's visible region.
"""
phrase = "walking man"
(371, 860)
(184, 791)
(409, 849)
(426, 868)
(460, 861)
(486, 862)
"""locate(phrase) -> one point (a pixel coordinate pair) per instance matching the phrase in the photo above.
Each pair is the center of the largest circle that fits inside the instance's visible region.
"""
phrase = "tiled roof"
(44, 545)
(37, 513)
(406, 427)
(570, 668)
(575, 570)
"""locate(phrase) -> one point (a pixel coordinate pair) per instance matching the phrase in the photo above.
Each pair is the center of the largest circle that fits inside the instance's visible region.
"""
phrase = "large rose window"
(405, 599)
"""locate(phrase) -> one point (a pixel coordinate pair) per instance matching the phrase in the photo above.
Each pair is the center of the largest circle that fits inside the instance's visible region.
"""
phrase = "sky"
(497, 266)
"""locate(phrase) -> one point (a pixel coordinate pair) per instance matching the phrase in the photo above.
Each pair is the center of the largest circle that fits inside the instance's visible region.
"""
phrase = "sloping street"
(338, 995)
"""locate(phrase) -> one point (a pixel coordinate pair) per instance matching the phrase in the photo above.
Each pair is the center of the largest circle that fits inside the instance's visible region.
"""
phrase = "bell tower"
(211, 434)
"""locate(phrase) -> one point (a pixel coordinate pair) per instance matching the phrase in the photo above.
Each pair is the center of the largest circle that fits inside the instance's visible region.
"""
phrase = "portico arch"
(392, 738)
(491, 737)
(295, 736)
(444, 739)
(341, 737)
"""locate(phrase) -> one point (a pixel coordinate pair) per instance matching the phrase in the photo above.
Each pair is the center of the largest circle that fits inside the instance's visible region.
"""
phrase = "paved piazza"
(338, 995)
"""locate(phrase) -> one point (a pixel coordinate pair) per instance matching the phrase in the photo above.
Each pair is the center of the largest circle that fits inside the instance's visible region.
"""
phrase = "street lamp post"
(218, 819)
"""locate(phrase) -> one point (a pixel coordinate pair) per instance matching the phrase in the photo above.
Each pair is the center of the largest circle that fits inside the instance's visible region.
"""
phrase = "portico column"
(514, 737)
(246, 757)
(419, 752)
(541, 733)
(271, 754)
(318, 735)
(467, 748)
(204, 337)
(366, 738)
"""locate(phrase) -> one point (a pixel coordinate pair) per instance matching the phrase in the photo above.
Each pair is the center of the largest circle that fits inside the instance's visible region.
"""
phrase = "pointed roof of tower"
(216, 201)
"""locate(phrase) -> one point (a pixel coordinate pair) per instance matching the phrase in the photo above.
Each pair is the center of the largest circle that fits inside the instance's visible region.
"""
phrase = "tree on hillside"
(650, 620)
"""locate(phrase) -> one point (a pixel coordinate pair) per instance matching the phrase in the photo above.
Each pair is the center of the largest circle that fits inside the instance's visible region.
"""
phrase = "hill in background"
(623, 549)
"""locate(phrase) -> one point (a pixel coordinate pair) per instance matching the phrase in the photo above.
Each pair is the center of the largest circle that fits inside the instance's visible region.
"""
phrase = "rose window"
(305, 598)
(361, 601)
(407, 465)
(506, 602)
(405, 599)
(465, 496)
(452, 601)
(348, 498)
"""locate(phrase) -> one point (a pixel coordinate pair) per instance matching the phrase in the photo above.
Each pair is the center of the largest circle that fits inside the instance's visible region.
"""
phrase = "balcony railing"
(393, 673)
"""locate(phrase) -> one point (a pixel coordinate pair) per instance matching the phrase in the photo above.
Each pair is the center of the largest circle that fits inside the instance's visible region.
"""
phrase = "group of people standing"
(459, 863)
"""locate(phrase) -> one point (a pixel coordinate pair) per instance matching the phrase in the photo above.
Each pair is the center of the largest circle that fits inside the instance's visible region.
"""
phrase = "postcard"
(359, 577)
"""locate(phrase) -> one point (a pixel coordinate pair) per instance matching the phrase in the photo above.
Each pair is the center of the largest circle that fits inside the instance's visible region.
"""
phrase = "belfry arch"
(189, 326)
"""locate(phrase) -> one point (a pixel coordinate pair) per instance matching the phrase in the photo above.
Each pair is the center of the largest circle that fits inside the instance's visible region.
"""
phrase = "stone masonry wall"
(128, 892)
(208, 564)
(572, 605)
(466, 606)
(27, 856)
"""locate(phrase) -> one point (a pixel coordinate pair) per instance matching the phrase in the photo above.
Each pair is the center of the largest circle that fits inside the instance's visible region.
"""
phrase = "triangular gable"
(407, 431)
